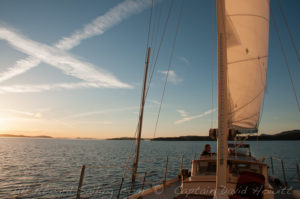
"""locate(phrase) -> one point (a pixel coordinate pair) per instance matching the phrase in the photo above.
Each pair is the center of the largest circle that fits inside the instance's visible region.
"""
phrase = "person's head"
(207, 148)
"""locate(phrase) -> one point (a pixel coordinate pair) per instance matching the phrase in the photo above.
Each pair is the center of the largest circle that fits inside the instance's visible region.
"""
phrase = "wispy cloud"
(97, 27)
(102, 23)
(172, 76)
(184, 60)
(189, 118)
(154, 102)
(98, 112)
(182, 113)
(27, 114)
(46, 87)
(62, 60)
(95, 122)
(20, 67)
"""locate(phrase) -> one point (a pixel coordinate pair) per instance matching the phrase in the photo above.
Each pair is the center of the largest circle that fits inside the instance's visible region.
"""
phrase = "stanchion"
(80, 182)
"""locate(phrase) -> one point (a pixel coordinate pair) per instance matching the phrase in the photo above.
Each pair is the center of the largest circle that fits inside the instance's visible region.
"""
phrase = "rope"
(289, 31)
(149, 30)
(155, 35)
(154, 24)
(286, 62)
(160, 44)
(169, 66)
(166, 80)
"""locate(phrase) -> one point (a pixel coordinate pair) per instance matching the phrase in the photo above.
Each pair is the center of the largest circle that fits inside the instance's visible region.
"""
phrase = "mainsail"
(247, 33)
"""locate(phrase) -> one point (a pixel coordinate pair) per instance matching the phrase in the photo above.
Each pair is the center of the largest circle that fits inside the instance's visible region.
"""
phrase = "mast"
(140, 125)
(222, 132)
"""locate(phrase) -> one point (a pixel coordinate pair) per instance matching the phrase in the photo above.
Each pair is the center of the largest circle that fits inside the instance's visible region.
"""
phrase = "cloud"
(187, 118)
(46, 87)
(21, 66)
(28, 114)
(85, 114)
(97, 27)
(172, 77)
(62, 60)
(154, 102)
(95, 122)
(184, 60)
(182, 113)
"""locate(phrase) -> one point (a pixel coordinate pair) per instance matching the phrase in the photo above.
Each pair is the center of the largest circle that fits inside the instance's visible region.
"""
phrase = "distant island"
(123, 138)
(24, 136)
(285, 135)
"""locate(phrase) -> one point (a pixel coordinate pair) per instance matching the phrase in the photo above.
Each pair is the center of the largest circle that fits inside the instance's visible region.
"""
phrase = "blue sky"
(86, 81)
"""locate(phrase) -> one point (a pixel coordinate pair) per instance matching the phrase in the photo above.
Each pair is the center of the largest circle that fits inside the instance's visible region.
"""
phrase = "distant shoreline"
(25, 136)
(283, 136)
(42, 136)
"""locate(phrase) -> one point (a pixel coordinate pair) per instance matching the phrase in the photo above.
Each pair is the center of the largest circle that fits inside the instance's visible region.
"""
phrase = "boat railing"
(86, 181)
(289, 173)
(83, 181)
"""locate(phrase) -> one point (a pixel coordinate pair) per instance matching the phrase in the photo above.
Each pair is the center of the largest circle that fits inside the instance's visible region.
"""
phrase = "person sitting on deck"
(206, 152)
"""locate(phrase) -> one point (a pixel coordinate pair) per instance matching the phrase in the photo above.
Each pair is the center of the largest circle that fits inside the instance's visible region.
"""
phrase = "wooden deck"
(172, 191)
(169, 191)
(192, 196)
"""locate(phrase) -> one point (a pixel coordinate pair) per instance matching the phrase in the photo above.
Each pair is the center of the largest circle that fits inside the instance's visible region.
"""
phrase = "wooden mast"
(222, 132)
(140, 125)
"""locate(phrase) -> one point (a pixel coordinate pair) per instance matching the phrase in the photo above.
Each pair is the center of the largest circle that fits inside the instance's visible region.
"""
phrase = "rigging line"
(156, 31)
(149, 29)
(160, 44)
(289, 30)
(154, 24)
(154, 35)
(285, 59)
(256, 148)
(166, 80)
(249, 59)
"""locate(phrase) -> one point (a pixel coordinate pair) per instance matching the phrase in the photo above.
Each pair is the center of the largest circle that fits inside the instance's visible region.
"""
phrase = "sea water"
(51, 168)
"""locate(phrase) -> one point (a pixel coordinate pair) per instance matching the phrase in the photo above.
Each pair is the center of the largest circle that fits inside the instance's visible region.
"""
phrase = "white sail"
(247, 32)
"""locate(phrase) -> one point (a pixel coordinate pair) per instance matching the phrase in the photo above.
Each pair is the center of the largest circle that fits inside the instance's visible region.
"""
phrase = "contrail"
(62, 60)
(97, 27)
(185, 119)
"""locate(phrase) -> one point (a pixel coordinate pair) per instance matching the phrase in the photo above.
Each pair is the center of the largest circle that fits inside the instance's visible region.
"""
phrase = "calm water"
(50, 168)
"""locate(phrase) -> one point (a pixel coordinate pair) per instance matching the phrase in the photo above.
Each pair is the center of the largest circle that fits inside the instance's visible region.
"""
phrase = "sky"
(75, 69)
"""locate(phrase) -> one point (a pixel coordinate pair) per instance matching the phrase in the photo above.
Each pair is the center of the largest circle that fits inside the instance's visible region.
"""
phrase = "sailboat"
(243, 40)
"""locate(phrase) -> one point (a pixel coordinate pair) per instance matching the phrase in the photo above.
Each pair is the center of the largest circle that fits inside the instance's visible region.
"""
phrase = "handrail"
(282, 167)
(298, 173)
